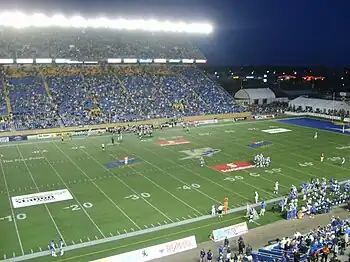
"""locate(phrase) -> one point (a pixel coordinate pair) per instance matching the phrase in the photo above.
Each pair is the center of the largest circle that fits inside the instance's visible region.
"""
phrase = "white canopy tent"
(320, 104)
(255, 96)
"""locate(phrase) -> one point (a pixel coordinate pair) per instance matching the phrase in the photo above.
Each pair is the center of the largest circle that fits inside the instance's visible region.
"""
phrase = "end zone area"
(160, 186)
(319, 124)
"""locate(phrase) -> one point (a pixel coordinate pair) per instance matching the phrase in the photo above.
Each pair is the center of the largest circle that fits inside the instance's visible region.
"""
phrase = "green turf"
(158, 178)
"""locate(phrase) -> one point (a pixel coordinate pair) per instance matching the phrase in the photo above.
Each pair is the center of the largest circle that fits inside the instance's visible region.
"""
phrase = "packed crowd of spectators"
(32, 108)
(210, 92)
(3, 104)
(75, 96)
(326, 243)
(93, 44)
(4, 122)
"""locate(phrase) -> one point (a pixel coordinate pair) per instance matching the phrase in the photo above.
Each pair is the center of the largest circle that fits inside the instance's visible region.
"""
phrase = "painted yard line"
(301, 156)
(100, 189)
(37, 188)
(141, 232)
(174, 177)
(266, 135)
(250, 185)
(137, 233)
(298, 170)
(99, 136)
(11, 208)
(195, 173)
(283, 145)
(237, 144)
(154, 183)
(301, 140)
(71, 191)
(125, 184)
(279, 173)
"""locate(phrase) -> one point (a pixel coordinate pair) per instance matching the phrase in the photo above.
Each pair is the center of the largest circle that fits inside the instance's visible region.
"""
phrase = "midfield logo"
(200, 152)
(234, 166)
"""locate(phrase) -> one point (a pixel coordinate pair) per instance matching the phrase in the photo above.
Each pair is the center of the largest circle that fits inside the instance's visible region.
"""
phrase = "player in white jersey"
(126, 160)
(103, 147)
(52, 248)
(256, 197)
(343, 161)
(201, 160)
(315, 135)
(61, 245)
(213, 210)
(120, 135)
(220, 210)
(275, 190)
(89, 132)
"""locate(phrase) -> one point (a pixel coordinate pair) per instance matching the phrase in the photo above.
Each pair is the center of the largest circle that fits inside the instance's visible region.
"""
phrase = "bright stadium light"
(22, 20)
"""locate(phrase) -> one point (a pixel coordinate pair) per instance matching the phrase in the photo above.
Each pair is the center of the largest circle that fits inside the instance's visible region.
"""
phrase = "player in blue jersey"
(209, 256)
(52, 248)
(202, 255)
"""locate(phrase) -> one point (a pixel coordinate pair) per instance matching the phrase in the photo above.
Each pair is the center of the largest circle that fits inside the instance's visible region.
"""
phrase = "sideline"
(136, 233)
(246, 122)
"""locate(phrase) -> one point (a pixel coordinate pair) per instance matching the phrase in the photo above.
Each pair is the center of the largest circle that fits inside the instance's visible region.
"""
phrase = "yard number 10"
(9, 218)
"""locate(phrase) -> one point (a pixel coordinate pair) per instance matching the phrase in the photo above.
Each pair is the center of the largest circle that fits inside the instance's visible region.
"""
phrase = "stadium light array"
(20, 20)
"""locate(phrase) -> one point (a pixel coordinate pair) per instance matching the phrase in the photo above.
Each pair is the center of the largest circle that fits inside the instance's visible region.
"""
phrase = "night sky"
(247, 32)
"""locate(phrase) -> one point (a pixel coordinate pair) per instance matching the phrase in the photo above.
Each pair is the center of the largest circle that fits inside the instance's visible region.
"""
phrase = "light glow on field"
(22, 20)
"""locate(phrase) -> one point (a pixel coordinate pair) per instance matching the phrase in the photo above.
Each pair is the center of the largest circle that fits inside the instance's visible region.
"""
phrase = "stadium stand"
(75, 94)
(3, 104)
(32, 108)
(83, 95)
(93, 44)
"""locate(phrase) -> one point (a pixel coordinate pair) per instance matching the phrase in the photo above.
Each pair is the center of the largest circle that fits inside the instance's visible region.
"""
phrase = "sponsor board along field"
(75, 191)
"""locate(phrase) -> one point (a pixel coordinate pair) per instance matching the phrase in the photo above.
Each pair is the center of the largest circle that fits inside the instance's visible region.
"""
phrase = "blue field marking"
(317, 123)
(260, 144)
(120, 163)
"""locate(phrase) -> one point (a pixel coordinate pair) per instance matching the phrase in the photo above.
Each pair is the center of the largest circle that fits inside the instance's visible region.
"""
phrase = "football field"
(100, 197)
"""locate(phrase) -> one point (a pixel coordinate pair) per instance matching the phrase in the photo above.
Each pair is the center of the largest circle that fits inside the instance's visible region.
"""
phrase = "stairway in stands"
(47, 89)
(8, 101)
